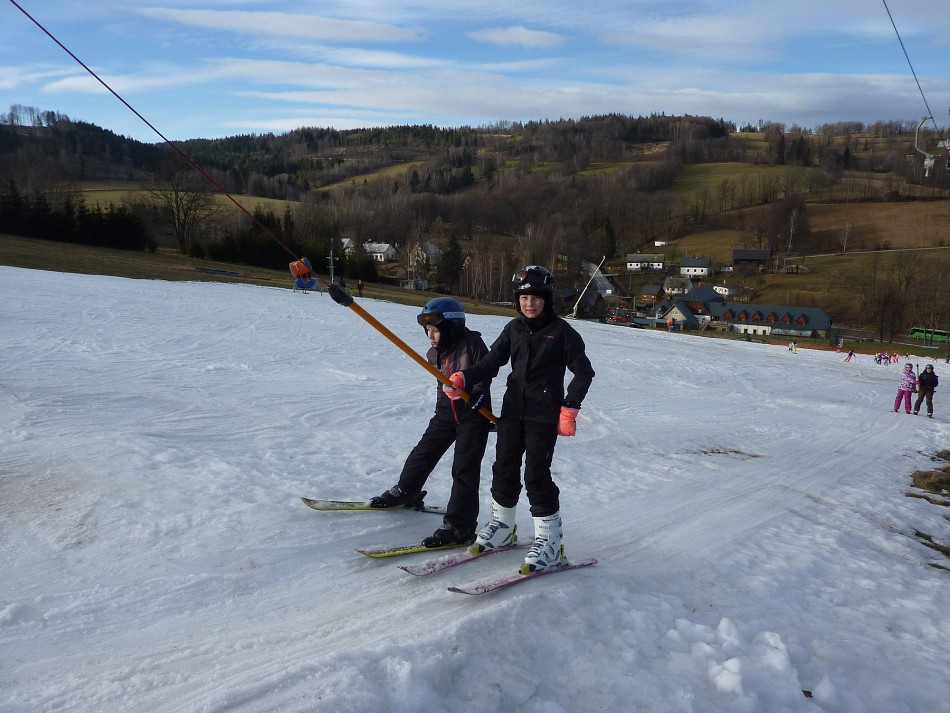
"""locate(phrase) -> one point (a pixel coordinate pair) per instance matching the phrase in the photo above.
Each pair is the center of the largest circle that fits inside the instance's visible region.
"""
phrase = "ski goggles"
(433, 319)
(531, 277)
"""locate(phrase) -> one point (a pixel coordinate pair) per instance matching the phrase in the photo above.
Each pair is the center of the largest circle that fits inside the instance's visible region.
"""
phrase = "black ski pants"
(535, 442)
(470, 438)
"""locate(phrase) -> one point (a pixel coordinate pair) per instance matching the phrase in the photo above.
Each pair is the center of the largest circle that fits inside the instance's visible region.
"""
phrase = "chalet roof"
(677, 282)
(645, 257)
(813, 317)
(695, 262)
(377, 247)
(702, 294)
(741, 254)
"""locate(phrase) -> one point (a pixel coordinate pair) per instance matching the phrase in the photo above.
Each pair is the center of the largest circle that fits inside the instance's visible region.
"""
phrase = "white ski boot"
(547, 552)
(500, 531)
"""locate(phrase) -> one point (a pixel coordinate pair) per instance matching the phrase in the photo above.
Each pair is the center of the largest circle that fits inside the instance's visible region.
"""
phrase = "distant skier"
(850, 355)
(536, 410)
(453, 347)
(907, 386)
(928, 384)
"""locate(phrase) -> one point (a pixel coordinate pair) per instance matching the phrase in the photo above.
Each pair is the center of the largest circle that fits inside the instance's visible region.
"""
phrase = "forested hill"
(315, 157)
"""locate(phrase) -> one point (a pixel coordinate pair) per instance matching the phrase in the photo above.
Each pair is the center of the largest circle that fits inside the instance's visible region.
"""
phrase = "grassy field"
(883, 225)
(707, 176)
(396, 172)
(120, 192)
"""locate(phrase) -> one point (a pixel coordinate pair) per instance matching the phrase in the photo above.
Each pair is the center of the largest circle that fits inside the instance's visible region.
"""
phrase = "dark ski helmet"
(533, 280)
(445, 313)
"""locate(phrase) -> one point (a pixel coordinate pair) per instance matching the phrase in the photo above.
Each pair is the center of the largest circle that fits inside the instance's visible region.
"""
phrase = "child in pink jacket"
(907, 386)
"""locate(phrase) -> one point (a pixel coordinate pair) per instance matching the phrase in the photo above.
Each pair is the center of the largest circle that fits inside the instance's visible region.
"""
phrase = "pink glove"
(454, 392)
(566, 423)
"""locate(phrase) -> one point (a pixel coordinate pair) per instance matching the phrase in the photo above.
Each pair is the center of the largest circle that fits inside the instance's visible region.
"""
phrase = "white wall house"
(645, 261)
(695, 267)
(380, 252)
(727, 290)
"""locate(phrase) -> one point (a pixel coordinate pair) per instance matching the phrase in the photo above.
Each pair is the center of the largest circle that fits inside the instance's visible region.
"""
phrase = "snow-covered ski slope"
(746, 504)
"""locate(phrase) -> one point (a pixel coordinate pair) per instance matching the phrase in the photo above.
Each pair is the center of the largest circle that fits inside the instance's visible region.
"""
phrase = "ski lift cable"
(910, 64)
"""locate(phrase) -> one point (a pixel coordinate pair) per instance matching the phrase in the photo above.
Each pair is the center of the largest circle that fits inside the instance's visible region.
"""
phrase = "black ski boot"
(449, 535)
(396, 497)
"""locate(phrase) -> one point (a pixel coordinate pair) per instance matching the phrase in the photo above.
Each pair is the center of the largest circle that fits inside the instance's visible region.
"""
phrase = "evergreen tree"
(450, 264)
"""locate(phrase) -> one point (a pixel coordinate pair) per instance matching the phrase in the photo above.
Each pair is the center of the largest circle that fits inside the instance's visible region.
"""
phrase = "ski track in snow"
(746, 505)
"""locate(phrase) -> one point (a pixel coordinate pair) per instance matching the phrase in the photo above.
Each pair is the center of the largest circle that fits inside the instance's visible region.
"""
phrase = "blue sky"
(224, 67)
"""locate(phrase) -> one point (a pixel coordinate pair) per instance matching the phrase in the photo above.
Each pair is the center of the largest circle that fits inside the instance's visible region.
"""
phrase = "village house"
(696, 267)
(380, 252)
(730, 290)
(673, 286)
(751, 260)
(645, 261)
(704, 307)
(424, 256)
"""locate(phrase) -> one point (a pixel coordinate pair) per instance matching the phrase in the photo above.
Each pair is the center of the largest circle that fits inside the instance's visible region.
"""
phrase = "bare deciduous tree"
(184, 203)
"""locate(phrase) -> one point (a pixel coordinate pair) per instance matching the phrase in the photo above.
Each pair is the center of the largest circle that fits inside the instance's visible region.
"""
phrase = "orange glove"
(565, 424)
(454, 392)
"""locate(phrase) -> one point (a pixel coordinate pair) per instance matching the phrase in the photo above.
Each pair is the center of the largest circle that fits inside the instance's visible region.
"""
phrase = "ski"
(318, 504)
(399, 550)
(437, 564)
(506, 580)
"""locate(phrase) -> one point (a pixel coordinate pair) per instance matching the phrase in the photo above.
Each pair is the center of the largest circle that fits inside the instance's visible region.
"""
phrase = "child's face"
(434, 335)
(531, 305)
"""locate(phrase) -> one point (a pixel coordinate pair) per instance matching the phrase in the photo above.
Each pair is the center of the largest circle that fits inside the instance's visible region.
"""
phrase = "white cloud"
(287, 25)
(358, 57)
(522, 36)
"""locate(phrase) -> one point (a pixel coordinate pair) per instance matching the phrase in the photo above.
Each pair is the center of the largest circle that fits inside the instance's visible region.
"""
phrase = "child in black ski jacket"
(926, 385)
(536, 410)
(454, 347)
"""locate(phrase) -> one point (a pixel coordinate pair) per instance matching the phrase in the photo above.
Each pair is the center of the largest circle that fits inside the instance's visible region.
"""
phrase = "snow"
(747, 506)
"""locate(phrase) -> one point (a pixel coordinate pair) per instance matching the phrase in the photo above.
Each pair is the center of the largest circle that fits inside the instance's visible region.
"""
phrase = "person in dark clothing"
(535, 411)
(454, 347)
(926, 385)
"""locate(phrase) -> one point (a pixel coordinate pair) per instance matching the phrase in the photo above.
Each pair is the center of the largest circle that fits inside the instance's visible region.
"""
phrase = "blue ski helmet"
(443, 312)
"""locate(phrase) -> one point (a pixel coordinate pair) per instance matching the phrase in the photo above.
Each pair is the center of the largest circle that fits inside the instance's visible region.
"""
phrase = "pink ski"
(490, 585)
(437, 564)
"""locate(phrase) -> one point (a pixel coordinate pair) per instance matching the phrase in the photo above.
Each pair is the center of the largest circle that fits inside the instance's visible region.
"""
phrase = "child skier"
(535, 411)
(454, 347)
(907, 386)
(928, 384)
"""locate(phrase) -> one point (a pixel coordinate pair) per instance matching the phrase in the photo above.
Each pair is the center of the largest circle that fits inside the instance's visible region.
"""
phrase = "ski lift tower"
(332, 260)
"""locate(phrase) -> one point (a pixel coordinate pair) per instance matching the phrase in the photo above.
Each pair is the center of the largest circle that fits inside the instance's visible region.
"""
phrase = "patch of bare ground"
(935, 487)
